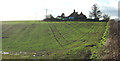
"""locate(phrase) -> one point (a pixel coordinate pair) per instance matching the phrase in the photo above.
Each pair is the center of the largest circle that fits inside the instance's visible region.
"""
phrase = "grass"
(51, 40)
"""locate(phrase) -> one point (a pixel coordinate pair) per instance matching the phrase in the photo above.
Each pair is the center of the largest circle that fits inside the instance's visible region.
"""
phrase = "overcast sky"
(36, 9)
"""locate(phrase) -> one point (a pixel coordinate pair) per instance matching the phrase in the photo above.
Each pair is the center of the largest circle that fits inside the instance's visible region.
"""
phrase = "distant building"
(77, 17)
(72, 17)
(59, 17)
(82, 17)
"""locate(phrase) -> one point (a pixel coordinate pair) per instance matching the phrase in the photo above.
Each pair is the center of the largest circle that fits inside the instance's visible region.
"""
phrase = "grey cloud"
(111, 11)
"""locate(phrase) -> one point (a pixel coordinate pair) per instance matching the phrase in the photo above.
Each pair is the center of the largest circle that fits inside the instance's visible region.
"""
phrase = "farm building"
(72, 17)
(76, 16)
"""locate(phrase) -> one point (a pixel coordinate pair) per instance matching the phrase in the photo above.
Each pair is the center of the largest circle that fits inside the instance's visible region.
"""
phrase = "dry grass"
(112, 46)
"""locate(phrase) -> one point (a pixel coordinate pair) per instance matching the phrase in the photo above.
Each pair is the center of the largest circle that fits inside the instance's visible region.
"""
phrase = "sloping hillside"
(51, 40)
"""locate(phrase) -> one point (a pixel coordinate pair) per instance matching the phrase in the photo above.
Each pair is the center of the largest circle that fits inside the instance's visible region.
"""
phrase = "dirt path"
(112, 45)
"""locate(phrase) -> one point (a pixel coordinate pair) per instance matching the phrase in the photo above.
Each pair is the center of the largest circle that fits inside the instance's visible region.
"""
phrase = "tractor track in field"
(12, 27)
(24, 28)
(73, 28)
(78, 29)
(62, 35)
(75, 46)
(77, 32)
(59, 33)
(70, 30)
(31, 27)
(55, 36)
(9, 29)
(82, 35)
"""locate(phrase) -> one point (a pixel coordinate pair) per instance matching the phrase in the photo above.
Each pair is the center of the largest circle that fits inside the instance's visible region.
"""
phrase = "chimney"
(74, 10)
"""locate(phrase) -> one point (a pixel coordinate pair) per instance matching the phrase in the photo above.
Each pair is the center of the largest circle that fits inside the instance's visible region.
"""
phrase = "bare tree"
(62, 15)
(96, 13)
(106, 17)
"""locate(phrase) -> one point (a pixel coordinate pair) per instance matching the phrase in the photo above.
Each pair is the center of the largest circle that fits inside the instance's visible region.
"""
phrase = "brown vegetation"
(112, 46)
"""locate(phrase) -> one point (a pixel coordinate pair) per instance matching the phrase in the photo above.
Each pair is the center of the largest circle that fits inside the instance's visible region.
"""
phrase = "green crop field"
(51, 40)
